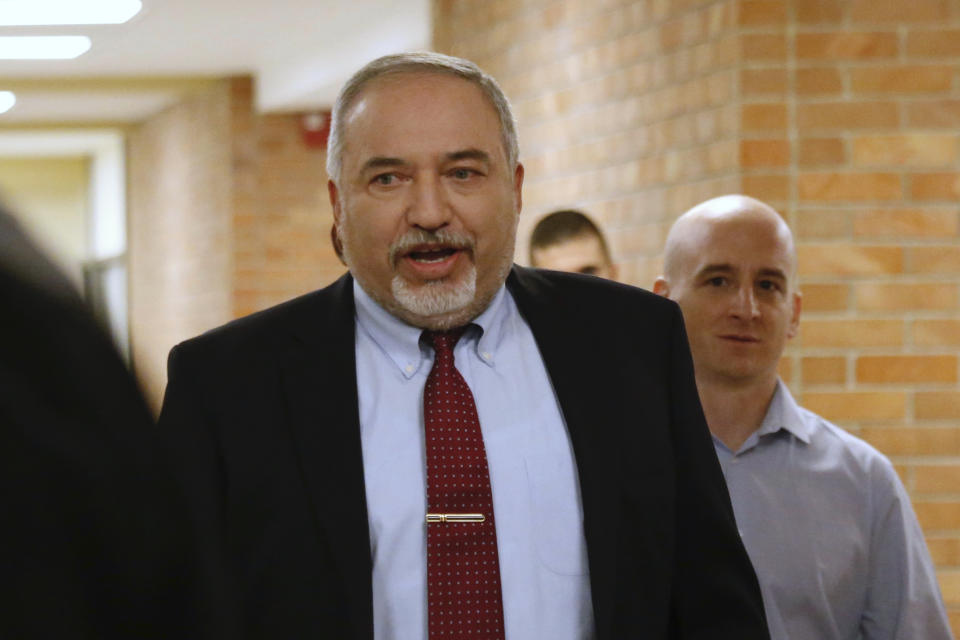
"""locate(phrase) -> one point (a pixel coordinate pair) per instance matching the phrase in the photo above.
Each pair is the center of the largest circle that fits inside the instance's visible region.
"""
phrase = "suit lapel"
(572, 365)
(319, 379)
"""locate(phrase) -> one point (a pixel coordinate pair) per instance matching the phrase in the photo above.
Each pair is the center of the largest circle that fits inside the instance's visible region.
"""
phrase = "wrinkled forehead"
(388, 88)
(413, 107)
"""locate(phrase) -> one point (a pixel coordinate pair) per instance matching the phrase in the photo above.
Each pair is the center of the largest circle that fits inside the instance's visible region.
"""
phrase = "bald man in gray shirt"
(824, 517)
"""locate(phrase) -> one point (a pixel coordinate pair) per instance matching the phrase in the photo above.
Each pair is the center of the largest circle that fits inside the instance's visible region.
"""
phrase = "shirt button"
(486, 355)
(409, 368)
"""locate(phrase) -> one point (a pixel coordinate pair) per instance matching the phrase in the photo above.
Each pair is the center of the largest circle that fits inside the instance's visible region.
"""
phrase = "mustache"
(415, 237)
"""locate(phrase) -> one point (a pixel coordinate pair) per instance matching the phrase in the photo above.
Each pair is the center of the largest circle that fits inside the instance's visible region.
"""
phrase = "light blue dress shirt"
(533, 474)
(828, 525)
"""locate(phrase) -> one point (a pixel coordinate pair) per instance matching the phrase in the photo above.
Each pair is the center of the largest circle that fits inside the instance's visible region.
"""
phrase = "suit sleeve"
(716, 591)
(93, 531)
(190, 442)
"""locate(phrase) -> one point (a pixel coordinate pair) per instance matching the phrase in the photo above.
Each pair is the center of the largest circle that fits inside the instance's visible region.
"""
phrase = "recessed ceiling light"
(7, 100)
(43, 47)
(44, 12)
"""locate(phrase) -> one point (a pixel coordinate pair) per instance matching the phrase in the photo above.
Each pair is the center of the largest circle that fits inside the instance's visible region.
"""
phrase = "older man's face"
(426, 206)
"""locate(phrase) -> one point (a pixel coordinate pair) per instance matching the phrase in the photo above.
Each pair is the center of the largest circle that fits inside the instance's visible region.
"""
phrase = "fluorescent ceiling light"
(44, 12)
(7, 100)
(43, 47)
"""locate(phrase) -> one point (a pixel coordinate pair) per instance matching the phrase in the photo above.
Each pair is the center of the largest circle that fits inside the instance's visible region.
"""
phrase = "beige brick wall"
(228, 214)
(873, 116)
(844, 114)
(179, 227)
(281, 215)
(626, 109)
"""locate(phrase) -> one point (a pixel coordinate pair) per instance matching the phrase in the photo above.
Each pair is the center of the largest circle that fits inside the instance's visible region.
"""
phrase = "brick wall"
(626, 109)
(873, 100)
(178, 227)
(841, 113)
(281, 215)
(228, 214)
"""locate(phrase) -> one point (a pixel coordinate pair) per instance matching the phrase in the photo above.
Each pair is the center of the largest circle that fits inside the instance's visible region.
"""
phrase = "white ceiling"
(299, 52)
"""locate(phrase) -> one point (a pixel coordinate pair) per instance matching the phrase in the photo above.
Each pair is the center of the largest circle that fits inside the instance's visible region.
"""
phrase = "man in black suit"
(94, 542)
(300, 429)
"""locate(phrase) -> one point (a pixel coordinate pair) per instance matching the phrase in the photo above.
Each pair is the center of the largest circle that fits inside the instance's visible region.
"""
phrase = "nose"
(429, 207)
(746, 305)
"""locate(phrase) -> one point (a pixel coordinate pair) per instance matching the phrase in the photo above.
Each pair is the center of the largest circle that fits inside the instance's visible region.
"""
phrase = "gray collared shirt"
(831, 533)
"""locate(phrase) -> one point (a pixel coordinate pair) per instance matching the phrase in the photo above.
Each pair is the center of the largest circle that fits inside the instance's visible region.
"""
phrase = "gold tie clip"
(454, 517)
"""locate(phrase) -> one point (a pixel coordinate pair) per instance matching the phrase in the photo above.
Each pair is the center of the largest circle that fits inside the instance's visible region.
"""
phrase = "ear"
(334, 201)
(661, 287)
(518, 186)
(337, 244)
(794, 326)
(337, 219)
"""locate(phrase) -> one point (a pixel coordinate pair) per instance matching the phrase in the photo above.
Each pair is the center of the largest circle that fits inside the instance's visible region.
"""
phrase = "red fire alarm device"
(315, 127)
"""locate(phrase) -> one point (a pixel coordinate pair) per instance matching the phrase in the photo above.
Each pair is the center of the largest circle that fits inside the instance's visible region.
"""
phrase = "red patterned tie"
(463, 569)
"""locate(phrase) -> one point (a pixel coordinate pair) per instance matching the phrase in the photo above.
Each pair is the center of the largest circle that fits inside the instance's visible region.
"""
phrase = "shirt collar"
(784, 413)
(401, 341)
(493, 322)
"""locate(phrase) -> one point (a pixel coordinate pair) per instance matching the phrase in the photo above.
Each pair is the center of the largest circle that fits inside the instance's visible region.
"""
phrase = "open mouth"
(431, 261)
(426, 255)
(431, 256)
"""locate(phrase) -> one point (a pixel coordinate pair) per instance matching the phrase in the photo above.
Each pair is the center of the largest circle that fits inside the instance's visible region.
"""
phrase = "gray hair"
(427, 62)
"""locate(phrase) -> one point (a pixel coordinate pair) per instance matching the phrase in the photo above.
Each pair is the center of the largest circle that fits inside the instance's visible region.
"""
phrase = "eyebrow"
(714, 268)
(773, 273)
(469, 154)
(380, 162)
(727, 268)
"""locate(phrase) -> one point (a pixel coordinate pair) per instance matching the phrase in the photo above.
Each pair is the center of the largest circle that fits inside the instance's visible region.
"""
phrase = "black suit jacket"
(93, 542)
(263, 415)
